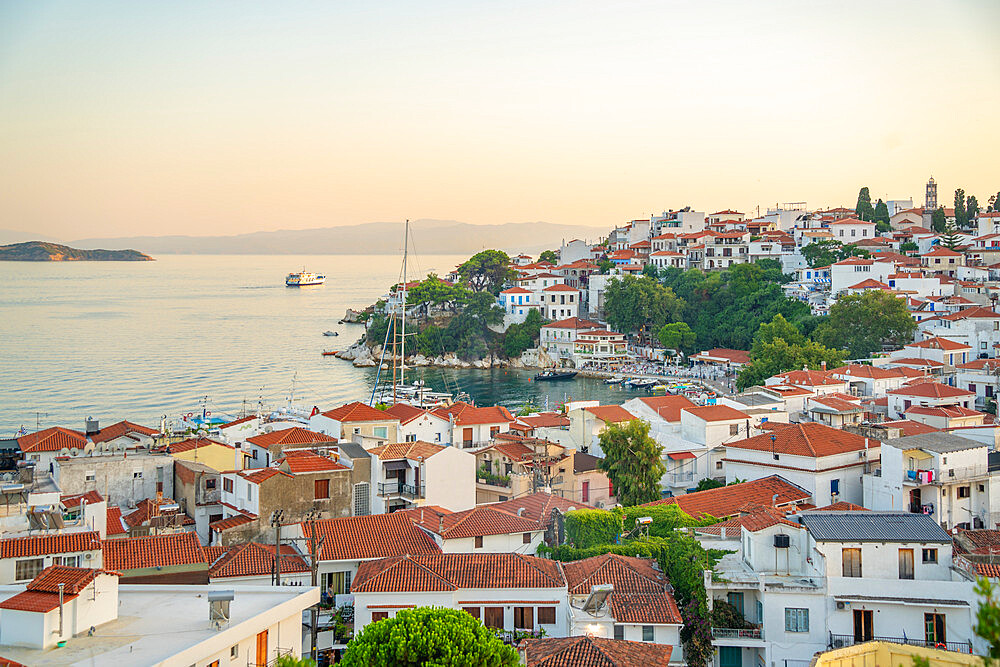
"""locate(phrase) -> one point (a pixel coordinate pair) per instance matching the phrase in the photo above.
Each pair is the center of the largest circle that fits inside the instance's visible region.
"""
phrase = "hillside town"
(763, 503)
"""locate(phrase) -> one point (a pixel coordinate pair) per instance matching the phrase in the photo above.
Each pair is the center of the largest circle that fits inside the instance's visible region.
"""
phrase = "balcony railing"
(681, 477)
(399, 489)
(840, 641)
(947, 475)
(737, 633)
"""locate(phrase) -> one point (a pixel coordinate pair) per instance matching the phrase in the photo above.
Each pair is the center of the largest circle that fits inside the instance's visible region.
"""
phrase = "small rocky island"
(40, 251)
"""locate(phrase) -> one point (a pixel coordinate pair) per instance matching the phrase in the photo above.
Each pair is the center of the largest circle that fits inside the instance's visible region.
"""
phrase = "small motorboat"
(641, 383)
(330, 333)
(329, 353)
(555, 375)
(614, 380)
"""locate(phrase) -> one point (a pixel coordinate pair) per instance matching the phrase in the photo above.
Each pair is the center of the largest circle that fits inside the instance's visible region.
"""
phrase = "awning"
(677, 456)
(397, 465)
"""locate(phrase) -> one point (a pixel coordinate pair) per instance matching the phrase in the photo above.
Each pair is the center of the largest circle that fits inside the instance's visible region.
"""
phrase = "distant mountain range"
(41, 251)
(428, 237)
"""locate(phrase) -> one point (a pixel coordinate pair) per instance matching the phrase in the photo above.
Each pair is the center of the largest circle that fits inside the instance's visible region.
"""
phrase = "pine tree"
(864, 209)
(881, 217)
(939, 220)
(972, 209)
(950, 238)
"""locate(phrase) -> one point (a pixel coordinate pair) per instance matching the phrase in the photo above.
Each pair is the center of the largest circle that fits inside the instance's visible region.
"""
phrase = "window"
(210, 484)
(852, 562)
(381, 431)
(834, 487)
(906, 563)
(28, 568)
(934, 628)
(137, 474)
(493, 617)
(526, 538)
(718, 465)
(227, 485)
(964, 491)
(524, 618)
(796, 620)
(546, 615)
(357, 431)
(734, 429)
(321, 488)
(647, 633)
(472, 611)
(929, 555)
(361, 499)
(479, 541)
(411, 437)
(619, 632)
(494, 430)
(379, 616)
(90, 476)
(249, 491)
(437, 437)
(234, 652)
(339, 583)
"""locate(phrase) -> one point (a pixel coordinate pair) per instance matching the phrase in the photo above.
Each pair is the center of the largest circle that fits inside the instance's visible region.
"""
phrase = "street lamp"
(773, 453)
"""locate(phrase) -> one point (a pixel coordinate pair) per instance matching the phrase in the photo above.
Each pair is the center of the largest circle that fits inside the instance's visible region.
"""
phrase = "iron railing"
(737, 633)
(681, 477)
(840, 641)
(400, 489)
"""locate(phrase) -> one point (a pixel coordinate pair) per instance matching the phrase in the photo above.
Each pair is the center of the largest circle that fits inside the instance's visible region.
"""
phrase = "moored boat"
(555, 375)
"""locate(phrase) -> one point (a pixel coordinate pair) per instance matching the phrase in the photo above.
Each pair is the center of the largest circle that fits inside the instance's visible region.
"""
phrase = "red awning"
(677, 456)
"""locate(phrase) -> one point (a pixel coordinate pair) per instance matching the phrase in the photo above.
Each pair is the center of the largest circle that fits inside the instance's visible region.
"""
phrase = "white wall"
(450, 478)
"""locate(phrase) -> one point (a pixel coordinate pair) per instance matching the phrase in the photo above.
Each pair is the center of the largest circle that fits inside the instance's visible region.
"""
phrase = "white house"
(473, 426)
(851, 271)
(978, 327)
(927, 394)
(410, 474)
(516, 303)
(419, 424)
(23, 558)
(558, 339)
(560, 302)
(482, 529)
(980, 376)
(851, 230)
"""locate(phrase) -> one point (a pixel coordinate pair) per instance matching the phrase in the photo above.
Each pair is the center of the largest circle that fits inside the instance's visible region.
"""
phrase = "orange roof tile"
(116, 523)
(811, 439)
(289, 436)
(372, 536)
(42, 545)
(479, 521)
(726, 501)
(136, 553)
(51, 440)
(657, 609)
(587, 651)
(259, 475)
(75, 500)
(467, 415)
(195, 443)
(453, 571)
(73, 579)
(572, 323)
(754, 517)
(735, 356)
(545, 420)
(357, 412)
(931, 390)
(234, 521)
(626, 573)
(716, 413)
(539, 506)
(667, 407)
(34, 601)
(120, 429)
(300, 462)
(611, 414)
(254, 560)
(406, 450)
(939, 343)
(909, 427)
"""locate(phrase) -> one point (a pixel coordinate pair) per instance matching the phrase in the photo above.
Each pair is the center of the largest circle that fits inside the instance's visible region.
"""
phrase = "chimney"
(440, 524)
(823, 365)
(91, 427)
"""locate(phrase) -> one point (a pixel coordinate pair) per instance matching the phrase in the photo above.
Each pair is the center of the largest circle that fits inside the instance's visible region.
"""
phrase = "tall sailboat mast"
(400, 361)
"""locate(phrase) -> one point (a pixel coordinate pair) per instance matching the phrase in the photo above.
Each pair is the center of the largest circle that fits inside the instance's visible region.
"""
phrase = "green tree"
(881, 217)
(864, 210)
(961, 218)
(939, 220)
(987, 623)
(779, 356)
(863, 323)
(487, 271)
(994, 202)
(428, 636)
(677, 336)
(520, 337)
(708, 483)
(972, 209)
(631, 303)
(604, 266)
(908, 247)
(435, 291)
(778, 327)
(633, 462)
(950, 238)
(289, 661)
(821, 253)
(549, 256)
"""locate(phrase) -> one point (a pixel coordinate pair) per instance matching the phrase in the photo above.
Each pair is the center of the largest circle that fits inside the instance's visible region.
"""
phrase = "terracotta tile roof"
(406, 450)
(917, 361)
(234, 521)
(147, 508)
(116, 523)
(658, 609)
(213, 554)
(289, 436)
(120, 429)
(977, 312)
(948, 411)
(626, 573)
(611, 414)
(7, 662)
(667, 407)
(559, 287)
(479, 521)
(939, 343)
(299, 462)
(135, 553)
(51, 440)
(241, 420)
(586, 651)
(736, 356)
(836, 404)
(909, 427)
(34, 601)
(716, 413)
(253, 559)
(515, 451)
(259, 475)
(195, 443)
(539, 506)
(988, 570)
(754, 517)
(74, 579)
(357, 412)
(449, 572)
(467, 415)
(41, 545)
(808, 378)
(572, 323)
(931, 390)
(989, 365)
(372, 536)
(727, 501)
(841, 506)
(74, 500)
(809, 439)
(545, 420)
(862, 371)
(406, 413)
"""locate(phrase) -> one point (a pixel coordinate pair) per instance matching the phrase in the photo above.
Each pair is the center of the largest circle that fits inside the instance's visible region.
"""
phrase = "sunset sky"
(127, 118)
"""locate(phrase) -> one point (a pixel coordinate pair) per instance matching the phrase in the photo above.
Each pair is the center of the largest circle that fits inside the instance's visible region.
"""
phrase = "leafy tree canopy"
(631, 303)
(549, 256)
(950, 238)
(961, 216)
(863, 323)
(438, 292)
(428, 636)
(779, 356)
(677, 336)
(864, 210)
(487, 271)
(633, 462)
(824, 253)
(939, 220)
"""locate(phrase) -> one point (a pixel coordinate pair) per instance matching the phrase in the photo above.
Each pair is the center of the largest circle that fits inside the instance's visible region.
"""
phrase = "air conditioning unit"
(839, 643)
(781, 541)
(87, 556)
(841, 604)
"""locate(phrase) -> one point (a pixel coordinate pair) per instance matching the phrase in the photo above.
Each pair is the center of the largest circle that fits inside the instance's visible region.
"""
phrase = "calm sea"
(138, 340)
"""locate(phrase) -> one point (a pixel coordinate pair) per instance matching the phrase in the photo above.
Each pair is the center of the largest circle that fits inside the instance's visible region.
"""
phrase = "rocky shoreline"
(363, 356)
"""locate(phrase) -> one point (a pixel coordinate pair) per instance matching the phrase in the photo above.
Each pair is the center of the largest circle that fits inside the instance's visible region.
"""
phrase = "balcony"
(840, 641)
(947, 476)
(755, 634)
(681, 477)
(389, 489)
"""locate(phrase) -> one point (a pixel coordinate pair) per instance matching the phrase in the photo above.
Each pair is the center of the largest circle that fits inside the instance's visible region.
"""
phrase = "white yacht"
(303, 278)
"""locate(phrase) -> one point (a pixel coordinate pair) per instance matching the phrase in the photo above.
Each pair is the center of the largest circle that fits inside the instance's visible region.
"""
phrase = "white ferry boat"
(303, 278)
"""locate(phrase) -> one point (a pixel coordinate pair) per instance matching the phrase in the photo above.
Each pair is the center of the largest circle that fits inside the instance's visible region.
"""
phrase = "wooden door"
(586, 493)
(863, 631)
(262, 648)
(467, 435)
(906, 563)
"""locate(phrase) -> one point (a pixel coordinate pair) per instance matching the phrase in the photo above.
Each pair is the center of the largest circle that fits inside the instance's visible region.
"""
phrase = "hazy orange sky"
(126, 118)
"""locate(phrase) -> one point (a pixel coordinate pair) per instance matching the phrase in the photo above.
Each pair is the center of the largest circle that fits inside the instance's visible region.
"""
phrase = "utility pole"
(276, 517)
(315, 545)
